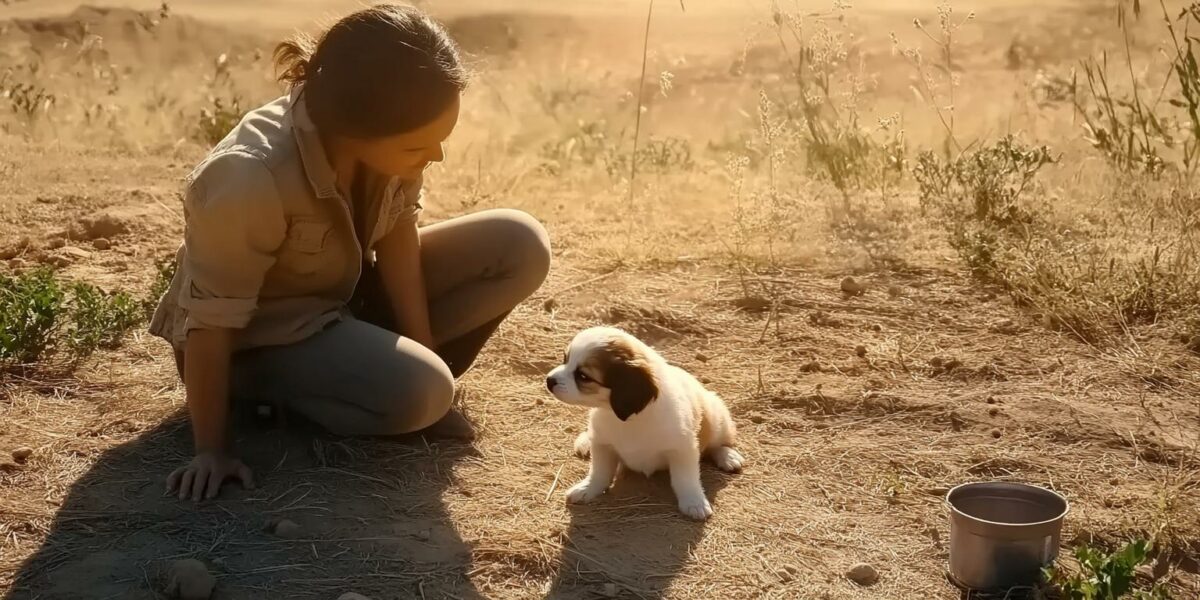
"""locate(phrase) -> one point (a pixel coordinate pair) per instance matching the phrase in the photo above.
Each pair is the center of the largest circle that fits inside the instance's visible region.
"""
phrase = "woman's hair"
(381, 71)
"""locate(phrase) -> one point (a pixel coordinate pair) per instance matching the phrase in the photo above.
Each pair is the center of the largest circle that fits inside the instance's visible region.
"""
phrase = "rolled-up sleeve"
(234, 227)
(406, 202)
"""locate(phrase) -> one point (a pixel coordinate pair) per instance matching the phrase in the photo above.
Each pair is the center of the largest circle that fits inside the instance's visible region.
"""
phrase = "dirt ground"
(856, 414)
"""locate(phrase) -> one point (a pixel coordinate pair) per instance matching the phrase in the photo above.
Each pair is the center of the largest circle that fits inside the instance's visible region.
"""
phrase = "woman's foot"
(453, 426)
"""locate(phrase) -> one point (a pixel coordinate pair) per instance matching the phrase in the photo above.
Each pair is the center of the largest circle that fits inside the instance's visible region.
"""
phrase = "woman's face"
(406, 155)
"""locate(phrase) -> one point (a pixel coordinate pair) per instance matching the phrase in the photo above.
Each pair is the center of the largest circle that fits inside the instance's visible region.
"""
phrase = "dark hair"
(383, 70)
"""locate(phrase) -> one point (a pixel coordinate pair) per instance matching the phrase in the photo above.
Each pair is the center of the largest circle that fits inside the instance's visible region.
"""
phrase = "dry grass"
(729, 263)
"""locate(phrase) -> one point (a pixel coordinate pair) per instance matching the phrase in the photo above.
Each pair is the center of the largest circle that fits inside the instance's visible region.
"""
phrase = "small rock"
(811, 366)
(860, 351)
(704, 380)
(1114, 481)
(22, 454)
(101, 244)
(701, 357)
(991, 399)
(877, 328)
(17, 264)
(996, 433)
(9, 467)
(422, 535)
(758, 419)
(353, 596)
(993, 411)
(895, 291)
(189, 579)
(863, 574)
(76, 253)
(610, 590)
(287, 529)
(56, 243)
(784, 575)
(853, 288)
(549, 305)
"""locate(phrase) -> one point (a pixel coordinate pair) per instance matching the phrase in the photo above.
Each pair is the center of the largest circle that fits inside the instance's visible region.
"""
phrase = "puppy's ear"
(629, 379)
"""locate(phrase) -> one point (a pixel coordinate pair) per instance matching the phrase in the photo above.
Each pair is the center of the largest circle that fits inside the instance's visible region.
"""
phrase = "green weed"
(1108, 576)
(31, 308)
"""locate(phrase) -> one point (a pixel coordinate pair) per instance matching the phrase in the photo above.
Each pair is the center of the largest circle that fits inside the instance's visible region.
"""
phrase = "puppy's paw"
(727, 459)
(584, 492)
(697, 508)
(583, 444)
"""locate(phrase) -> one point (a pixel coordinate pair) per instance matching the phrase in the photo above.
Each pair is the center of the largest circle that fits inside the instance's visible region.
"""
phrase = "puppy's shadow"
(367, 516)
(633, 540)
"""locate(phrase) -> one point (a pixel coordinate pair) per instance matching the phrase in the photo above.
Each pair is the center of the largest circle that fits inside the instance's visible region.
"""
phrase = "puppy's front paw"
(583, 444)
(695, 508)
(727, 459)
(584, 492)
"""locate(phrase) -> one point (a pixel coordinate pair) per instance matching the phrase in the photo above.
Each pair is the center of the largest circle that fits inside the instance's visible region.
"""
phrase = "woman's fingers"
(201, 480)
(244, 474)
(214, 483)
(174, 477)
(185, 484)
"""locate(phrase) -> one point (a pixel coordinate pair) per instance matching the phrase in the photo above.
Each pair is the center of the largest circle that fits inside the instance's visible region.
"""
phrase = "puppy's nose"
(550, 383)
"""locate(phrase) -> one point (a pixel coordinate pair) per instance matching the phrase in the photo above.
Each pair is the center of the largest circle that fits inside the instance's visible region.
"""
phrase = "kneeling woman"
(304, 280)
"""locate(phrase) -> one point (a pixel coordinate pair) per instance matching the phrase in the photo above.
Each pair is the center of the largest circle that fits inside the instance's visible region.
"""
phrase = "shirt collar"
(312, 152)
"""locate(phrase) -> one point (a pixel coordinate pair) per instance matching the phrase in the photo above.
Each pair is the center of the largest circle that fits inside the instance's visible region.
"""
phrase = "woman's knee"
(420, 391)
(528, 245)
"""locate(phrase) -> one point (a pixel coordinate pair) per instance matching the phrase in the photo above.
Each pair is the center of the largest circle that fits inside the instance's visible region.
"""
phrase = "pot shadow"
(632, 542)
(369, 513)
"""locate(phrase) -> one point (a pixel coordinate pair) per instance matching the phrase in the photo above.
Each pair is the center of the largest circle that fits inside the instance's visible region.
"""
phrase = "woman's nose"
(437, 155)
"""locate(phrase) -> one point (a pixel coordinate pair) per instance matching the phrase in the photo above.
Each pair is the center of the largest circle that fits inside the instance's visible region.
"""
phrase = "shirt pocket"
(305, 247)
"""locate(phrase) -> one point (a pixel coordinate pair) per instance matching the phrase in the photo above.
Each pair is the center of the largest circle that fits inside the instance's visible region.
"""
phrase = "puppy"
(646, 415)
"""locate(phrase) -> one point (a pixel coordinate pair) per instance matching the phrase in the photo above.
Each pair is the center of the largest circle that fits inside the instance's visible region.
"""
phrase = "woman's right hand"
(203, 476)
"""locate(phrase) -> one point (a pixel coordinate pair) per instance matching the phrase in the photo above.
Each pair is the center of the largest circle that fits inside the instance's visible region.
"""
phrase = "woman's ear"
(629, 379)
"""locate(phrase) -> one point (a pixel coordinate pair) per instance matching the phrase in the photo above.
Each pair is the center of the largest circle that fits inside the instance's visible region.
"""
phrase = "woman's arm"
(206, 377)
(398, 256)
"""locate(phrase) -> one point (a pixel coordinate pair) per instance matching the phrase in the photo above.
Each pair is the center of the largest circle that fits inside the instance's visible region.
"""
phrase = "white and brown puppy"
(646, 415)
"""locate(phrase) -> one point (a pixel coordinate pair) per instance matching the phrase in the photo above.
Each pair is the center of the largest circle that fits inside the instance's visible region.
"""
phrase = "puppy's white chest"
(643, 456)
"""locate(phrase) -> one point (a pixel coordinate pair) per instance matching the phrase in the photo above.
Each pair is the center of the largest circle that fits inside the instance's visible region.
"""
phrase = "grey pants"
(358, 377)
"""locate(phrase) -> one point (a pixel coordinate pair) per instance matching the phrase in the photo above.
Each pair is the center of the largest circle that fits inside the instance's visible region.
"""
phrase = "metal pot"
(1002, 534)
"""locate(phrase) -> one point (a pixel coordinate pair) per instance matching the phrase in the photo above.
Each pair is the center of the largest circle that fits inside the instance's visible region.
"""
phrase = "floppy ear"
(630, 382)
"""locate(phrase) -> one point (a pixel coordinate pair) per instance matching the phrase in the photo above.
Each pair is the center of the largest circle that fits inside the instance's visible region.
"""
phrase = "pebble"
(422, 535)
(189, 579)
(101, 244)
(852, 288)
(863, 574)
(860, 351)
(287, 529)
(895, 291)
(996, 433)
(22, 454)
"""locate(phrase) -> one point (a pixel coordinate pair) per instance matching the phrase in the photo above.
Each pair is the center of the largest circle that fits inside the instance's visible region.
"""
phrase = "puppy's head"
(605, 368)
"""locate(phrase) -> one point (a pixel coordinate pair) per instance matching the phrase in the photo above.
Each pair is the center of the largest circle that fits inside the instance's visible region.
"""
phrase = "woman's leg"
(353, 379)
(477, 269)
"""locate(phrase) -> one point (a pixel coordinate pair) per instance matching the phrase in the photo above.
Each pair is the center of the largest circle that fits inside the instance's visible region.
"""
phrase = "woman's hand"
(203, 476)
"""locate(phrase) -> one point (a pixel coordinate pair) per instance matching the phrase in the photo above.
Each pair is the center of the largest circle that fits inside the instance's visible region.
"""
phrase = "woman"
(303, 279)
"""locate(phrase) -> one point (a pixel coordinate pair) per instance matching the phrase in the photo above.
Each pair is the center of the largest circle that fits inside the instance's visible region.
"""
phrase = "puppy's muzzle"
(550, 383)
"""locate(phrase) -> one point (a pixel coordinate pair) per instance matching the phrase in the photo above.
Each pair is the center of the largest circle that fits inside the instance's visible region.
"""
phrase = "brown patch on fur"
(627, 374)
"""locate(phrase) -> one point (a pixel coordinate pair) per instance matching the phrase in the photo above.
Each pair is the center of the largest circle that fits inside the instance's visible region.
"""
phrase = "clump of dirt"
(189, 579)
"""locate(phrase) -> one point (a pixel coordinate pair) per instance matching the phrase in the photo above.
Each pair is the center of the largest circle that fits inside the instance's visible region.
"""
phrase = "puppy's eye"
(581, 377)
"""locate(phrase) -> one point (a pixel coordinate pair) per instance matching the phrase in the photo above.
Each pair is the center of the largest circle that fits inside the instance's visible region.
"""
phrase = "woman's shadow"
(633, 541)
(366, 516)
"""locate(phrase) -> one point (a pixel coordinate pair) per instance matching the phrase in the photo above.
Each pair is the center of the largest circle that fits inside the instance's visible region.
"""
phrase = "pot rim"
(1060, 517)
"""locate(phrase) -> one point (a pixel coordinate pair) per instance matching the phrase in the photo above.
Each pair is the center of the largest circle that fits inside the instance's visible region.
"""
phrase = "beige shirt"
(270, 245)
